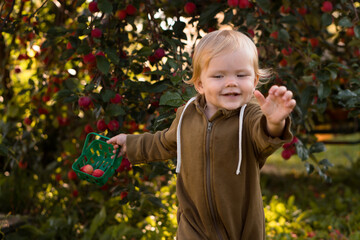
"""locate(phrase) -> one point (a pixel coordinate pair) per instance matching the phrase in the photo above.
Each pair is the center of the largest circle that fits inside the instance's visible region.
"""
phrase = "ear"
(199, 86)
(256, 80)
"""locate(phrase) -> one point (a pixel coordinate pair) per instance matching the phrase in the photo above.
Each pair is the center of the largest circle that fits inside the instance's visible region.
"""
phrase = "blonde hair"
(217, 42)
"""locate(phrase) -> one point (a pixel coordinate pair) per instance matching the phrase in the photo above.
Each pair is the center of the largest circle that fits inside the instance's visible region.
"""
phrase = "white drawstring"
(178, 139)
(241, 119)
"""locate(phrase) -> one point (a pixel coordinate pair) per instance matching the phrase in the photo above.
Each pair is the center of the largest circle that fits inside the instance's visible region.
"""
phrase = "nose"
(231, 81)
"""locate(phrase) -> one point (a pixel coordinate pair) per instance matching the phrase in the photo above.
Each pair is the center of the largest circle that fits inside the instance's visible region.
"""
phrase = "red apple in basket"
(98, 173)
(87, 169)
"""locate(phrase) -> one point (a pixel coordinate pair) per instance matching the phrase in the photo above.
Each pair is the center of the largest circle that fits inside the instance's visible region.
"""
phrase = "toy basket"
(98, 154)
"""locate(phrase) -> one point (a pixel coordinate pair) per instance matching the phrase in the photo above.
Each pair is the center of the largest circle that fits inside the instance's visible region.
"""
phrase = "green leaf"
(145, 51)
(97, 221)
(57, 31)
(309, 168)
(284, 35)
(326, 162)
(171, 99)
(290, 19)
(89, 87)
(323, 76)
(326, 19)
(82, 19)
(115, 110)
(107, 94)
(83, 48)
(111, 53)
(3, 150)
(175, 79)
(71, 83)
(317, 147)
(302, 151)
(345, 95)
(155, 88)
(157, 202)
(102, 64)
(67, 54)
(264, 4)
(345, 22)
(209, 13)
(179, 29)
(307, 96)
(63, 93)
(357, 31)
(324, 90)
(105, 6)
(172, 63)
(229, 15)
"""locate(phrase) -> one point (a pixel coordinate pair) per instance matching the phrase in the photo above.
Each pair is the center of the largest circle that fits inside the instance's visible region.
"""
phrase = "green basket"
(98, 154)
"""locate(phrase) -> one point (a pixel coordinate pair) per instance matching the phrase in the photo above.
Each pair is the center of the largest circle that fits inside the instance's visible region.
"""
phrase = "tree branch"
(7, 16)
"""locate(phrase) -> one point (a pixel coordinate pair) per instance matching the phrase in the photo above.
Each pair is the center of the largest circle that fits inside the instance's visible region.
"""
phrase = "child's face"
(229, 81)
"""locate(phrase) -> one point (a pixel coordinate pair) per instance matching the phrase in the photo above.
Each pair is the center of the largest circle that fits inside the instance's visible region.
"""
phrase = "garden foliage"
(68, 68)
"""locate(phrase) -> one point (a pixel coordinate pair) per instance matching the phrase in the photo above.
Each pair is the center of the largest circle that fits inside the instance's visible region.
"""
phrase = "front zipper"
(208, 180)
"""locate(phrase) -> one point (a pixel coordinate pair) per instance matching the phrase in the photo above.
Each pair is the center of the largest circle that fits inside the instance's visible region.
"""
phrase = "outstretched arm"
(276, 107)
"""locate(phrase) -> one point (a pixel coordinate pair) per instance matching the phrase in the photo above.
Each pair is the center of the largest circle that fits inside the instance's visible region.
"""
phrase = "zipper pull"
(209, 126)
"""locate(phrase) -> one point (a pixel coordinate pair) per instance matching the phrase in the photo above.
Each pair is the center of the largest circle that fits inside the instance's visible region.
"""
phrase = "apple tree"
(73, 67)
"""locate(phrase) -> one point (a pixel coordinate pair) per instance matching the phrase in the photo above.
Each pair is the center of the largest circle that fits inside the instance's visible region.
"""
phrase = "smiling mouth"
(231, 94)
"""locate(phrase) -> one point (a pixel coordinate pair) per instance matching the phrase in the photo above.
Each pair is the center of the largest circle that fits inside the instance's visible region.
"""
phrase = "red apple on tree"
(117, 99)
(124, 166)
(23, 164)
(233, 3)
(27, 121)
(96, 33)
(350, 32)
(327, 7)
(286, 154)
(283, 62)
(314, 42)
(88, 129)
(251, 33)
(130, 9)
(89, 58)
(159, 53)
(123, 195)
(190, 8)
(84, 102)
(101, 125)
(113, 125)
(285, 10)
(302, 11)
(121, 14)
(72, 175)
(274, 35)
(244, 4)
(93, 7)
(75, 193)
(286, 51)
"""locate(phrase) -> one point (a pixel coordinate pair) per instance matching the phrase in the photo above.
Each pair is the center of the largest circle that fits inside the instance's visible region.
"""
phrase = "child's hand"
(276, 106)
(117, 141)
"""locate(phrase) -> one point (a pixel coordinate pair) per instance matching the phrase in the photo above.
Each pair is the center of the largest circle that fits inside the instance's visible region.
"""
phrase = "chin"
(233, 107)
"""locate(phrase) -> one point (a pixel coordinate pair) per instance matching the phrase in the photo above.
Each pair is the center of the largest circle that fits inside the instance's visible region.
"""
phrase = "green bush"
(69, 67)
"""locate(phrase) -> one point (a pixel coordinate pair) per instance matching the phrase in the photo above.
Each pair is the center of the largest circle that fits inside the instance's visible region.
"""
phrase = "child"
(222, 139)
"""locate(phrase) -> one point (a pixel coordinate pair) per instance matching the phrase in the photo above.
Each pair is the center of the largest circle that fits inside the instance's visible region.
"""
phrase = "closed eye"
(241, 75)
(217, 76)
